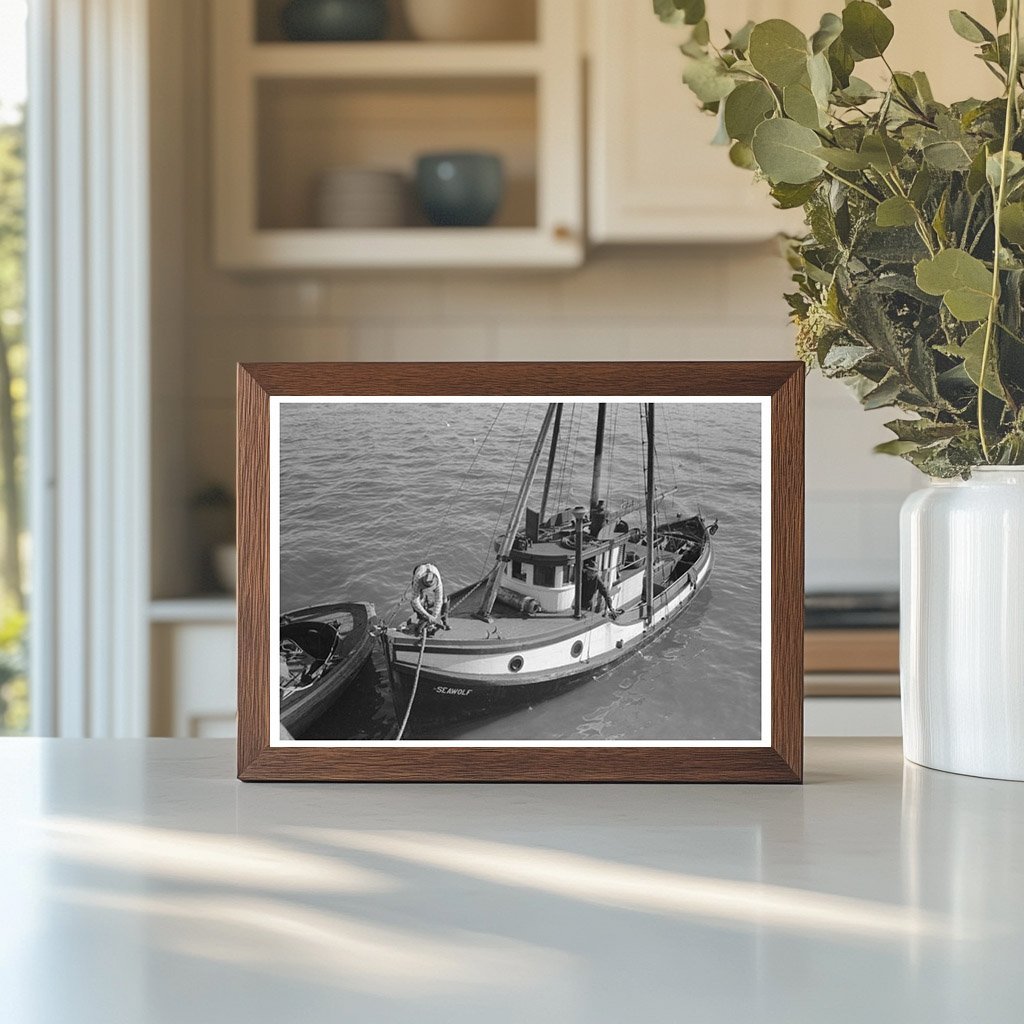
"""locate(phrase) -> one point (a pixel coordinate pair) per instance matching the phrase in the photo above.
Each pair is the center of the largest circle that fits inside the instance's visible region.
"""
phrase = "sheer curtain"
(88, 300)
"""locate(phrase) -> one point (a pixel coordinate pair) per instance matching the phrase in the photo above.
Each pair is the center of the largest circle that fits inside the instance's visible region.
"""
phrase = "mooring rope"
(415, 685)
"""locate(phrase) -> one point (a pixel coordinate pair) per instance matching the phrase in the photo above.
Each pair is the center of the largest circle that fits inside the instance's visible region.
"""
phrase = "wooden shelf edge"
(852, 650)
(393, 60)
(212, 608)
(403, 248)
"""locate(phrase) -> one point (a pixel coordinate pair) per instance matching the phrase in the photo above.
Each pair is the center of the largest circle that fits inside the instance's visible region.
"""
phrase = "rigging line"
(611, 458)
(465, 476)
(642, 453)
(566, 448)
(675, 448)
(700, 456)
(508, 487)
(575, 459)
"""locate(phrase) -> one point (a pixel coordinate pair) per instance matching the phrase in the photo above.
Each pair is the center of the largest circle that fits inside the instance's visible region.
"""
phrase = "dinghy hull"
(350, 647)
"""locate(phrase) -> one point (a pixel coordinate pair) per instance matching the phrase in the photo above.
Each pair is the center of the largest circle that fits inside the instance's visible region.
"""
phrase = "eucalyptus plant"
(910, 278)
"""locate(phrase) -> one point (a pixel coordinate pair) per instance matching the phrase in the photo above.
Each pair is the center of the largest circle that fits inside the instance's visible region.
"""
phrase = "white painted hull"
(458, 684)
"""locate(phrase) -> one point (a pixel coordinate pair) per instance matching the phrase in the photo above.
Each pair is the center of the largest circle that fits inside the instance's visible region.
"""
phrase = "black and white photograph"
(520, 572)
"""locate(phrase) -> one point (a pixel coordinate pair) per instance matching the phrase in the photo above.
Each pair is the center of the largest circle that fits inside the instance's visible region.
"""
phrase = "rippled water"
(369, 490)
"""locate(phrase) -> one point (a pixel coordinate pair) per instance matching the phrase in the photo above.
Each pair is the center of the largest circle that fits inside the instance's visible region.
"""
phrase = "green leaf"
(969, 28)
(923, 431)
(885, 394)
(721, 137)
(922, 185)
(895, 447)
(976, 174)
(778, 50)
(999, 6)
(896, 212)
(924, 87)
(883, 153)
(820, 76)
(1012, 226)
(741, 155)
(708, 80)
(676, 12)
(866, 29)
(963, 281)
(841, 60)
(739, 41)
(785, 152)
(789, 197)
(1014, 169)
(746, 107)
(971, 352)
(946, 156)
(801, 106)
(830, 29)
(858, 91)
(939, 220)
(844, 159)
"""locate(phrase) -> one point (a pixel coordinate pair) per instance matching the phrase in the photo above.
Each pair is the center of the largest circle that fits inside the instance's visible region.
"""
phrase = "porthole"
(577, 649)
(515, 664)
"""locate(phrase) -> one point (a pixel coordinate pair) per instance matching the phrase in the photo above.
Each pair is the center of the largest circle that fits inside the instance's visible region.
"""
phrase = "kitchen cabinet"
(653, 175)
(287, 113)
(193, 673)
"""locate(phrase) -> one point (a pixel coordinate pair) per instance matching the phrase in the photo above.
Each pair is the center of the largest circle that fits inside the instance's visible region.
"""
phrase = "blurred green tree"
(13, 410)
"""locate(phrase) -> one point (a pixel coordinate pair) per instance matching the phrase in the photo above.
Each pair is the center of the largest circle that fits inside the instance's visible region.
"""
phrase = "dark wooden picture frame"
(781, 761)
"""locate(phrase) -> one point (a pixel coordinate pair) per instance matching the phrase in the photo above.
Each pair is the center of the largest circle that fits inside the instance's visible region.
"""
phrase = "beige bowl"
(357, 197)
(471, 20)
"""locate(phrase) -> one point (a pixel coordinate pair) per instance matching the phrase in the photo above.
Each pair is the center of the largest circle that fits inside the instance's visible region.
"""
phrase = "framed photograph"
(520, 572)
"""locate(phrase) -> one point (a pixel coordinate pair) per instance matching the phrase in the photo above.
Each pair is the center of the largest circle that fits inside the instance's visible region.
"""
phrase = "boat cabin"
(542, 563)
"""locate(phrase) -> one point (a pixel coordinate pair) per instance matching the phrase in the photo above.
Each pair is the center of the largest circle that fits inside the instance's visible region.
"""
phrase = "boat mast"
(595, 487)
(517, 514)
(551, 460)
(649, 582)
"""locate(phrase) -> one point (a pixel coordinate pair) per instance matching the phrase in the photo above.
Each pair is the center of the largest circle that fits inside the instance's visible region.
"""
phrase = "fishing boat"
(322, 650)
(570, 592)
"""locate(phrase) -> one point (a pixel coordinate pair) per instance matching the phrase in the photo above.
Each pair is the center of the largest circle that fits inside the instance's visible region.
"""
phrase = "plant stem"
(923, 228)
(856, 188)
(993, 309)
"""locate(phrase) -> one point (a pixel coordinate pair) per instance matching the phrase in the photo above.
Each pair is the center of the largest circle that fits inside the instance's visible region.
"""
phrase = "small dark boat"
(322, 649)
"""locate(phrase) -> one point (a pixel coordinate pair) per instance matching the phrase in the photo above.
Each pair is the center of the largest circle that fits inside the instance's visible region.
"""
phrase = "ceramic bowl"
(460, 189)
(334, 20)
(360, 197)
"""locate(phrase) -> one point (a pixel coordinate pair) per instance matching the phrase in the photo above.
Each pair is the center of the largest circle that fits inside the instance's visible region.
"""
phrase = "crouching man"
(430, 612)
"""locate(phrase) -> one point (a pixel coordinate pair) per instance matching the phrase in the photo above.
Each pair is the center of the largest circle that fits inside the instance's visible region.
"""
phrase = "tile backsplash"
(721, 302)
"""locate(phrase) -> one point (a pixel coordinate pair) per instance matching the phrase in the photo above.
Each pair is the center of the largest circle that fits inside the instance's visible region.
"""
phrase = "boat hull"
(301, 709)
(458, 682)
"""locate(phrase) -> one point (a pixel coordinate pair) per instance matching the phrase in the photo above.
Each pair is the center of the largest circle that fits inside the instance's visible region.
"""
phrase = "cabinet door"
(653, 174)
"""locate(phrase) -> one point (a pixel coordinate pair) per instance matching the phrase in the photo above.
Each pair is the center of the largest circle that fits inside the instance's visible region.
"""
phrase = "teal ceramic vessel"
(461, 190)
(334, 21)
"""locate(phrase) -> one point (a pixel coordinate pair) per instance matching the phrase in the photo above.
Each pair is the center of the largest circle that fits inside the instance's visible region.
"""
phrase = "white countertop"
(143, 885)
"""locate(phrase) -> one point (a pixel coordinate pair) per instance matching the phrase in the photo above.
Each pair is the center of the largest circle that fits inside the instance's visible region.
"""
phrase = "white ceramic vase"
(962, 624)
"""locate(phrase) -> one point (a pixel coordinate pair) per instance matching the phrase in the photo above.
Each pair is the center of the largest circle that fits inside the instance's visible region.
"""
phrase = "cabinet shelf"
(286, 113)
(310, 248)
(393, 60)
